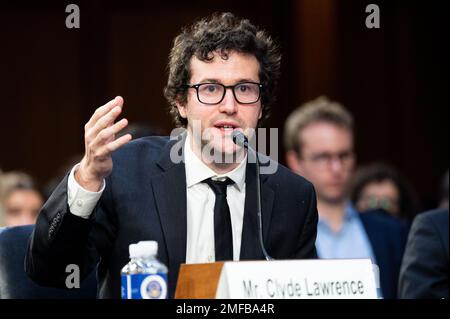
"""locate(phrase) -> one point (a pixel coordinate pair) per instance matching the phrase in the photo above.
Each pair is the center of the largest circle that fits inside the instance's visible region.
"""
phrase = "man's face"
(326, 159)
(22, 207)
(229, 113)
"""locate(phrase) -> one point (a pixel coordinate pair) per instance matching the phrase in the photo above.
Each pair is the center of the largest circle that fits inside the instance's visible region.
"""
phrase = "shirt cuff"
(81, 201)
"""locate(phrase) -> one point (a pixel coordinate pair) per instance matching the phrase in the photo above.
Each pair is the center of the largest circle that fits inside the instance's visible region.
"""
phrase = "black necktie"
(223, 236)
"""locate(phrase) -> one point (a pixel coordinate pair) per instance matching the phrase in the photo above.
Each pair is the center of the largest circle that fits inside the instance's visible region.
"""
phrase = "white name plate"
(298, 279)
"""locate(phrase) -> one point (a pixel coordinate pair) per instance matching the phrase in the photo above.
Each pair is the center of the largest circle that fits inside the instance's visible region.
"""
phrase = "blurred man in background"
(319, 142)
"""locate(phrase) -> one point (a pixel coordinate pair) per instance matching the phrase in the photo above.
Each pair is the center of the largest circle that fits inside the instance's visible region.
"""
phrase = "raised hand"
(100, 142)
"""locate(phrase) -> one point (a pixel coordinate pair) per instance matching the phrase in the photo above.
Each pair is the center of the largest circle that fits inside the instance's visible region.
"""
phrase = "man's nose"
(229, 103)
(336, 164)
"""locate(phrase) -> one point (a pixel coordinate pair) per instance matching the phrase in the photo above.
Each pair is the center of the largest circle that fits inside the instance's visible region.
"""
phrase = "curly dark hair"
(221, 32)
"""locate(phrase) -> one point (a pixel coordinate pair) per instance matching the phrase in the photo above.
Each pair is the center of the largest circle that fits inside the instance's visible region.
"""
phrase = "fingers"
(105, 121)
(108, 134)
(100, 131)
(114, 145)
(101, 111)
(103, 117)
(100, 142)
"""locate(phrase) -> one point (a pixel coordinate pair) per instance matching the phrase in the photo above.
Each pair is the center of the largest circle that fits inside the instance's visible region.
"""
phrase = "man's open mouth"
(225, 128)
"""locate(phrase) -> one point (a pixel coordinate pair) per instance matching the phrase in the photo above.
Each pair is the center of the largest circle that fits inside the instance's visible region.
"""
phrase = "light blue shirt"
(351, 241)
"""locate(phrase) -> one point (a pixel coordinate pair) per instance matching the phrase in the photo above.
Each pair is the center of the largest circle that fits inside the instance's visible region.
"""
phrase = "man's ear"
(292, 161)
(181, 108)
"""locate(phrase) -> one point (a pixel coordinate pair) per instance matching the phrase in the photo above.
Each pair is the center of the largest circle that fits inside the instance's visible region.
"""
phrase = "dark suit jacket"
(424, 271)
(145, 199)
(387, 237)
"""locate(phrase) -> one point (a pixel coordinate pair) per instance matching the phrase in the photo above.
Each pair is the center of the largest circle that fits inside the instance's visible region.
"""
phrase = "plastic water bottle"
(134, 267)
(157, 281)
(144, 277)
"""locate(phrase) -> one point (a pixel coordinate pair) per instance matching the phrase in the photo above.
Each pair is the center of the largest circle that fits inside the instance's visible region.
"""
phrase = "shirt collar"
(349, 214)
(197, 171)
(350, 211)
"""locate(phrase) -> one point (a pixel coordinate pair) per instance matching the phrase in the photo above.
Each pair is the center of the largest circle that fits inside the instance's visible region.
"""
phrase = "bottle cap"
(148, 247)
(134, 250)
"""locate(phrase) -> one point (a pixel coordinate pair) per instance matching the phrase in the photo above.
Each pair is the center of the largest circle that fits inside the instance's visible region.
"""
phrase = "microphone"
(241, 140)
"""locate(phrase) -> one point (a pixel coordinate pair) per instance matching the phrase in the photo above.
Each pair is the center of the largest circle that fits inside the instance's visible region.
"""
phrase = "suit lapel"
(250, 247)
(169, 189)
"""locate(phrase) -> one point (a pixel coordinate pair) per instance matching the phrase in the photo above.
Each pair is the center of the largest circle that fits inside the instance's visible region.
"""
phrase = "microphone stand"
(258, 208)
(241, 140)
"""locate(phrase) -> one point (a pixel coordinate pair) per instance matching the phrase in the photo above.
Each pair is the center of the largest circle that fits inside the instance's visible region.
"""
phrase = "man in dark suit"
(424, 271)
(319, 143)
(222, 76)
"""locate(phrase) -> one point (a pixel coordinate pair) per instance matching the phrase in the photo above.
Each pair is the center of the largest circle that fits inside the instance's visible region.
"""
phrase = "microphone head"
(239, 139)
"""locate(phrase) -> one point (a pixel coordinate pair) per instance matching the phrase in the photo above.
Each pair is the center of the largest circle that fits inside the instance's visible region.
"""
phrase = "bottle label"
(144, 286)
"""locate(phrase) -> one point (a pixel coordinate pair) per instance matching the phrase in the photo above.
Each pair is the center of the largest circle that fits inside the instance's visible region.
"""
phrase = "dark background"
(393, 79)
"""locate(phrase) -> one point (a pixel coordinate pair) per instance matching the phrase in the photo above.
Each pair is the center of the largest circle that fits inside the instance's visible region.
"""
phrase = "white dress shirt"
(81, 201)
(200, 205)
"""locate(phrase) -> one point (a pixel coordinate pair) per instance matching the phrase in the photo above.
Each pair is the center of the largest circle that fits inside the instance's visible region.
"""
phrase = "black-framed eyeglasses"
(213, 93)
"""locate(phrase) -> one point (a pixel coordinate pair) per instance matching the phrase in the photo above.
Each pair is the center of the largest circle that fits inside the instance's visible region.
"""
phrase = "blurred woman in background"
(20, 200)
(380, 186)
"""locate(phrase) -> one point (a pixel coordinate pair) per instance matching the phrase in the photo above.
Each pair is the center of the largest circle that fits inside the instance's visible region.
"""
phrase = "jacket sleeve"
(61, 238)
(424, 270)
